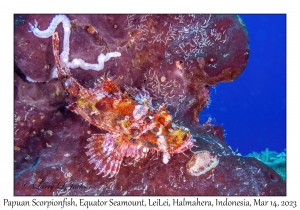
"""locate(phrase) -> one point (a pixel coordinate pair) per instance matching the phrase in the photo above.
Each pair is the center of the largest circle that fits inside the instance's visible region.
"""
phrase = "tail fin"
(62, 70)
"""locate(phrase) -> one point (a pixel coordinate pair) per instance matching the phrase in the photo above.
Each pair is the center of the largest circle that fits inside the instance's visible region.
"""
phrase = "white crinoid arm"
(50, 30)
(77, 62)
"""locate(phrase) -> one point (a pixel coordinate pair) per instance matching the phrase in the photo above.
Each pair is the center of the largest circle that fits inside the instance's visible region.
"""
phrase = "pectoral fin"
(106, 151)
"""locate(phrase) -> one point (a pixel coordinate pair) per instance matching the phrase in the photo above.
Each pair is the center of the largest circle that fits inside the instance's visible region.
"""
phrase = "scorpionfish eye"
(179, 140)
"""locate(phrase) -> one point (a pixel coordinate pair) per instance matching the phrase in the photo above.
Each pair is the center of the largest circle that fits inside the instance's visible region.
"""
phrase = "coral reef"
(174, 57)
(275, 160)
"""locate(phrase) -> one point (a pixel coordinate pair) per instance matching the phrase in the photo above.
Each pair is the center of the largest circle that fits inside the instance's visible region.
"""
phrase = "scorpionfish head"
(179, 139)
(170, 138)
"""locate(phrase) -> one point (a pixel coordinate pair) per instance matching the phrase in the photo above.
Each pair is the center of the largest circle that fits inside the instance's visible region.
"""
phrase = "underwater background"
(44, 128)
(252, 108)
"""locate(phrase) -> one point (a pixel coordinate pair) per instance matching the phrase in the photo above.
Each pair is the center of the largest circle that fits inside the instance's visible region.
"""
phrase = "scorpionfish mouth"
(188, 143)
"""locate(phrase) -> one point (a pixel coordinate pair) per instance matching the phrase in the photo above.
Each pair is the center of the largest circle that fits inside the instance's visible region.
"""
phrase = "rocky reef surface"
(174, 57)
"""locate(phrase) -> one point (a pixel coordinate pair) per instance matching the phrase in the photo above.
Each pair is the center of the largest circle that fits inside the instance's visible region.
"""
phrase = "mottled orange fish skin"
(110, 87)
(134, 127)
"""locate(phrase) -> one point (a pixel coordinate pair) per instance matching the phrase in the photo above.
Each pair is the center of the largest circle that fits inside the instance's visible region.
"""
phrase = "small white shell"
(201, 162)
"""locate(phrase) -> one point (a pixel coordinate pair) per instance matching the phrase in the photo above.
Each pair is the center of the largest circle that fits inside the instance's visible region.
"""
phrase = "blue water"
(252, 109)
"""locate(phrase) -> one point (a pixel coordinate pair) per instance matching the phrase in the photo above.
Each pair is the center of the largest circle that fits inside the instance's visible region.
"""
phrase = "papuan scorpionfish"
(134, 127)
